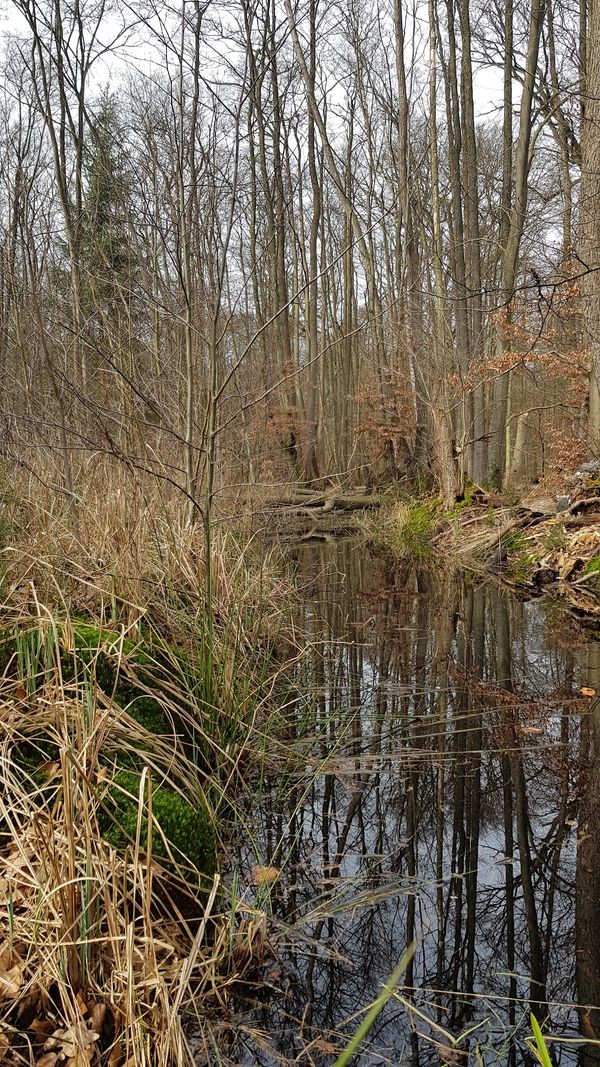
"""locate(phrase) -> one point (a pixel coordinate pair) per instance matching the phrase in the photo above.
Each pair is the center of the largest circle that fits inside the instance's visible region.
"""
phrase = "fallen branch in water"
(305, 501)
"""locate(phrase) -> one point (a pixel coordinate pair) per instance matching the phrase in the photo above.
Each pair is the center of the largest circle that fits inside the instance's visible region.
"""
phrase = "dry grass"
(89, 946)
(110, 954)
(471, 535)
(127, 551)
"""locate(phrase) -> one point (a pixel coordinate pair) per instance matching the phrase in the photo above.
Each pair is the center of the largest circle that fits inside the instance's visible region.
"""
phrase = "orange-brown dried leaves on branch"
(385, 416)
(541, 332)
(565, 451)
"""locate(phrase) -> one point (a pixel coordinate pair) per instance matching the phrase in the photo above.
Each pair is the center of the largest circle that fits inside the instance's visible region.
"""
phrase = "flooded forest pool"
(448, 797)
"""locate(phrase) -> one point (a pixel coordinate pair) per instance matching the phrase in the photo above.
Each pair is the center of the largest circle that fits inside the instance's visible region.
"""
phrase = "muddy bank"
(547, 542)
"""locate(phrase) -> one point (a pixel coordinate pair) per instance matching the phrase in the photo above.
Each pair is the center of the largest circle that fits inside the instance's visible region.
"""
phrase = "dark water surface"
(449, 796)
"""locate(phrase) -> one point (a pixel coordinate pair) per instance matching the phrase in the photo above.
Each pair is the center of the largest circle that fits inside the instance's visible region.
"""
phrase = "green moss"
(98, 654)
(522, 566)
(405, 528)
(461, 506)
(554, 537)
(592, 566)
(92, 638)
(104, 668)
(188, 828)
(94, 657)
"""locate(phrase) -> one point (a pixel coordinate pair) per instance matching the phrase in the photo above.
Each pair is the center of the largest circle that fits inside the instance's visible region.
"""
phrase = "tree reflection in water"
(451, 770)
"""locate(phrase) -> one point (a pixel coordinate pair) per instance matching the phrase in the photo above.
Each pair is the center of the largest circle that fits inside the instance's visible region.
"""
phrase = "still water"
(441, 789)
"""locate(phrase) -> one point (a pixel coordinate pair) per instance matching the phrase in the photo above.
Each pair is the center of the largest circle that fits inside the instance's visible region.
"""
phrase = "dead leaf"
(81, 1058)
(96, 1017)
(16, 880)
(115, 1058)
(264, 875)
(587, 691)
(326, 1047)
(81, 1004)
(51, 768)
(449, 1054)
(21, 692)
(11, 981)
(47, 1060)
(587, 1027)
(72, 1040)
(4, 1045)
(40, 1026)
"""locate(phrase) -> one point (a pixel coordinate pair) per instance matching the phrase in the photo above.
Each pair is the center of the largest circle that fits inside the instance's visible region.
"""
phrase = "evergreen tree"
(106, 257)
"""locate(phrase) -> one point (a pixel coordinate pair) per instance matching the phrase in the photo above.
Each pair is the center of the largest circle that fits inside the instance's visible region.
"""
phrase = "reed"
(127, 720)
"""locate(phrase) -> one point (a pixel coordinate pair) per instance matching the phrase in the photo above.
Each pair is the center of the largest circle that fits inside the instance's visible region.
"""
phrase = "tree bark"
(590, 216)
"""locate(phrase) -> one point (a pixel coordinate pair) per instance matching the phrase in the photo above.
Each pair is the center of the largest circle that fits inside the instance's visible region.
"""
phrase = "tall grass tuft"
(126, 721)
(404, 528)
(97, 940)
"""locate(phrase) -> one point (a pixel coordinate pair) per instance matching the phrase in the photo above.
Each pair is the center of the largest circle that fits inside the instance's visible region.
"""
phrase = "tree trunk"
(590, 217)
(513, 233)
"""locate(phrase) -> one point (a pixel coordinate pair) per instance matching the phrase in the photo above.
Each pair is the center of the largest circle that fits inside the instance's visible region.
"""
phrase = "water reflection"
(449, 796)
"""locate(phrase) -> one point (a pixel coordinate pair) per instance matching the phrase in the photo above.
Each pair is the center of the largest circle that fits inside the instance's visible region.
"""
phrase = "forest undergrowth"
(130, 721)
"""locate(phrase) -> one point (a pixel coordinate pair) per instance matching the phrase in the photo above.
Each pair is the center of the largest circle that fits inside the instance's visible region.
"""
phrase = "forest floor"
(547, 543)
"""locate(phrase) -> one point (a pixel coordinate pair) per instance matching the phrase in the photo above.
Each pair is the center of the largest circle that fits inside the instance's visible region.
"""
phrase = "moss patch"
(187, 828)
(101, 652)
(592, 566)
(91, 657)
(87, 653)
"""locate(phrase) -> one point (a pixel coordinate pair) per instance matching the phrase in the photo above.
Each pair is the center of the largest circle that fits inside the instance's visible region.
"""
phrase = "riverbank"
(129, 718)
(544, 543)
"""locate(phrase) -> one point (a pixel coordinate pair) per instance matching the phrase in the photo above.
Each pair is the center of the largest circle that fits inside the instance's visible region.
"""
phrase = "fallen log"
(323, 502)
(581, 505)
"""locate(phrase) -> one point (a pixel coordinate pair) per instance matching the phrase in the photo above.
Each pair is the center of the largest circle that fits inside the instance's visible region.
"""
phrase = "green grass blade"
(376, 1008)
(540, 1050)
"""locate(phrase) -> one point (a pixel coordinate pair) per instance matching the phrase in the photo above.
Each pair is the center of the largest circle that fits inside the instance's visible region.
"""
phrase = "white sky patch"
(487, 92)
